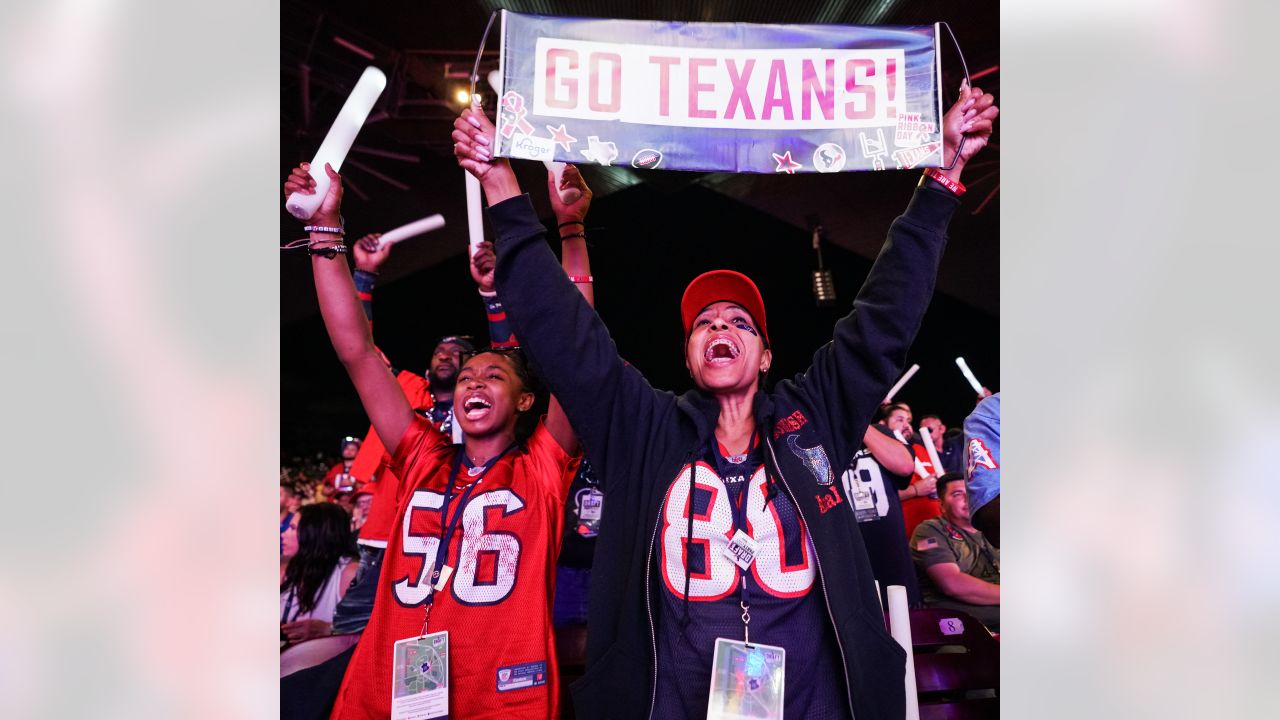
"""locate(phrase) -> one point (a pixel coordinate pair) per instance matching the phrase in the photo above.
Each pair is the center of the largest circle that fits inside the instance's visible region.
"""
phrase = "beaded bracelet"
(325, 229)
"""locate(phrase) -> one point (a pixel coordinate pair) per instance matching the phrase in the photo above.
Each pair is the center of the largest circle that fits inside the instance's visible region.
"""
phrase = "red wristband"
(581, 278)
(955, 186)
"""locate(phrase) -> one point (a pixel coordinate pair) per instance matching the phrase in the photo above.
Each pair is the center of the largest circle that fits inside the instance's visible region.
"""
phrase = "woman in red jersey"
(462, 619)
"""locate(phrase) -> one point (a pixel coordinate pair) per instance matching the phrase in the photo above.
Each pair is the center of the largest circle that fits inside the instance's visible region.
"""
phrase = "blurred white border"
(141, 339)
(1137, 263)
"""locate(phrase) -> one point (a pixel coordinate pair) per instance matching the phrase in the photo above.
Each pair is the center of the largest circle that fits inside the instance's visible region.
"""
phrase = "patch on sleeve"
(980, 456)
(926, 544)
(524, 675)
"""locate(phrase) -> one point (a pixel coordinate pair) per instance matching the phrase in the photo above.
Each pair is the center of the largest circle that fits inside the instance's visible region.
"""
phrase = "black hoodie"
(638, 439)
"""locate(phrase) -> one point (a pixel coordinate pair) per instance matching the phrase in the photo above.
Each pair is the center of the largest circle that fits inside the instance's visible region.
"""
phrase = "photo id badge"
(864, 504)
(746, 681)
(420, 678)
(741, 549)
(589, 505)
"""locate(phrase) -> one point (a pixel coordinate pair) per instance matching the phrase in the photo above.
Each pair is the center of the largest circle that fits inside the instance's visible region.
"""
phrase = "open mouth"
(721, 351)
(475, 407)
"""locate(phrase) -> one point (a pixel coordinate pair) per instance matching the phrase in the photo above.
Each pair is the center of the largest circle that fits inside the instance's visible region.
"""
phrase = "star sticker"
(785, 163)
(561, 136)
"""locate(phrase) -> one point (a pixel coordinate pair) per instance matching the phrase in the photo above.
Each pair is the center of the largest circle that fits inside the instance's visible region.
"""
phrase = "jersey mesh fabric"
(497, 604)
(786, 610)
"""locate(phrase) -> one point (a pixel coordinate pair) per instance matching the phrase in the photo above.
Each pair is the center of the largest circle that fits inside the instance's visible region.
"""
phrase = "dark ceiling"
(652, 232)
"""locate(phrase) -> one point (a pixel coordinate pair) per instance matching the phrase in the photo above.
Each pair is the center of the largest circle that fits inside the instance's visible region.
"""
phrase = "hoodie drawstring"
(688, 517)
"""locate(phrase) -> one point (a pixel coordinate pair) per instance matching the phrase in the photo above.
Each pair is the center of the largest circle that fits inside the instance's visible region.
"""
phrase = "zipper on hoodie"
(648, 603)
(821, 580)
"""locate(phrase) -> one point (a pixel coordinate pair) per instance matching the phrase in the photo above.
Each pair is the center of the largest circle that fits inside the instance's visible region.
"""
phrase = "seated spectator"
(982, 465)
(958, 567)
(289, 504)
(361, 502)
(316, 570)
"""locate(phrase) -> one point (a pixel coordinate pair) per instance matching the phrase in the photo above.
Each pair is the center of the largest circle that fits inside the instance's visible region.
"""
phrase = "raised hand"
(369, 256)
(972, 118)
(482, 265)
(473, 140)
(577, 210)
(329, 213)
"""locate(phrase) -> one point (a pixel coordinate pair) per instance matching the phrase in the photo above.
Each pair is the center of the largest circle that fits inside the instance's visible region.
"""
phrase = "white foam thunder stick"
(968, 375)
(933, 451)
(568, 196)
(417, 227)
(337, 143)
(901, 381)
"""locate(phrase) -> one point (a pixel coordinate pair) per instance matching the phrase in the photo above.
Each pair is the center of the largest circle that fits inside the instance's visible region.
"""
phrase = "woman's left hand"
(300, 630)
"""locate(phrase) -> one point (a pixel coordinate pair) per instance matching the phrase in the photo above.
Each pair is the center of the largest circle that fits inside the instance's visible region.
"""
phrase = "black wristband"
(571, 222)
(327, 252)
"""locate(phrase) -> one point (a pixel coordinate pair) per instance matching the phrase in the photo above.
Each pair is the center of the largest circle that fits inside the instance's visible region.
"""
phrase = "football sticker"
(647, 159)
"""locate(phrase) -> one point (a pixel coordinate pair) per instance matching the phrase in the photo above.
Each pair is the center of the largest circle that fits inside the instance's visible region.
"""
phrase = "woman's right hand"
(473, 141)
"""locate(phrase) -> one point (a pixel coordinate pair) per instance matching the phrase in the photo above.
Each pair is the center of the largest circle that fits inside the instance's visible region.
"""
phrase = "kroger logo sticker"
(529, 147)
(647, 159)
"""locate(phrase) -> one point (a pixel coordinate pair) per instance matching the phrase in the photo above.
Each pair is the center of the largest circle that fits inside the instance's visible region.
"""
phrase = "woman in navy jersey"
(723, 522)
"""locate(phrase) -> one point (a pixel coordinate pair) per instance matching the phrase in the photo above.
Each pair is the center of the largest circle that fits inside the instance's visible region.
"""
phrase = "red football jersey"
(496, 605)
(373, 463)
(918, 509)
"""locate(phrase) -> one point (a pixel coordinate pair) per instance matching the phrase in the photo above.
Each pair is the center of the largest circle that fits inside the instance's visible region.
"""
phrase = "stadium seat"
(957, 665)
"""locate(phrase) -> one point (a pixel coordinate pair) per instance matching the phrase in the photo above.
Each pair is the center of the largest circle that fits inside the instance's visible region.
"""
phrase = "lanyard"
(449, 525)
(726, 468)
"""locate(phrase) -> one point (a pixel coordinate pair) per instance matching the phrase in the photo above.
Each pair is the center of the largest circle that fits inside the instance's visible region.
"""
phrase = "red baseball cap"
(722, 286)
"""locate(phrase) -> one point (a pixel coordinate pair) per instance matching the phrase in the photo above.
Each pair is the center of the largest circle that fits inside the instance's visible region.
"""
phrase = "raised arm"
(850, 375)
(889, 452)
(346, 323)
(563, 337)
(577, 267)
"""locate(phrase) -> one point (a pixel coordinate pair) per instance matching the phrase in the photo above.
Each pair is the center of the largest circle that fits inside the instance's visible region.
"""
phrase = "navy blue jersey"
(873, 497)
(786, 606)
